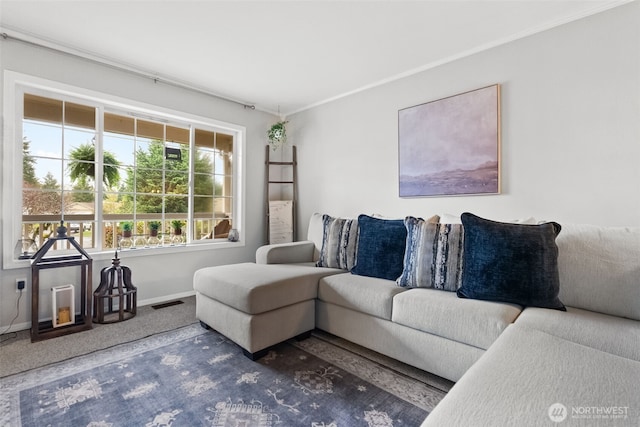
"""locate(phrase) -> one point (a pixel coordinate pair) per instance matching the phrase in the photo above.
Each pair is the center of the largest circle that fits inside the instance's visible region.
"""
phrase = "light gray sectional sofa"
(576, 368)
(513, 365)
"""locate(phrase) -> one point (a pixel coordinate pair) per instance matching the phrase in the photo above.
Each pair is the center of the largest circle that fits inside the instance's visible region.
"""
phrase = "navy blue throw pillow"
(381, 244)
(513, 263)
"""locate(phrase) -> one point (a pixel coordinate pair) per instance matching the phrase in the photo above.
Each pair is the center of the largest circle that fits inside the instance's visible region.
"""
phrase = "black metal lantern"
(39, 261)
(115, 298)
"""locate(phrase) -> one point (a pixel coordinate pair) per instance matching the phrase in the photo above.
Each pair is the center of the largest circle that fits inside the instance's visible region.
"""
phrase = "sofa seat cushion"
(369, 295)
(473, 322)
(526, 371)
(615, 335)
(258, 288)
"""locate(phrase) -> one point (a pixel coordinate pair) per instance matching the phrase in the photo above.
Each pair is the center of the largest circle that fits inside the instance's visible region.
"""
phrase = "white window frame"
(16, 84)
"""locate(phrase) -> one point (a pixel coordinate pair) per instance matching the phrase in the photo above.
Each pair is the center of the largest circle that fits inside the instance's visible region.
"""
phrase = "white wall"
(570, 131)
(162, 276)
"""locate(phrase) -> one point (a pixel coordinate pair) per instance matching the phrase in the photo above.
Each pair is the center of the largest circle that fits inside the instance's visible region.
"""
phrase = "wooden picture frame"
(451, 146)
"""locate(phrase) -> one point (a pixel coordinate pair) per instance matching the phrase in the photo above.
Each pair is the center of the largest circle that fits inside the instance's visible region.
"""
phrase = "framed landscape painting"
(451, 146)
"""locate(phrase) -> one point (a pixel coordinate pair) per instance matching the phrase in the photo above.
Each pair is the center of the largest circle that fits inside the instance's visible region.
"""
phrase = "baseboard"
(15, 327)
(27, 325)
(165, 298)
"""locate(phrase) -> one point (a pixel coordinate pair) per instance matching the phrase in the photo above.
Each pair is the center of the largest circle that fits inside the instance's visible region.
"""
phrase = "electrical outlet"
(21, 285)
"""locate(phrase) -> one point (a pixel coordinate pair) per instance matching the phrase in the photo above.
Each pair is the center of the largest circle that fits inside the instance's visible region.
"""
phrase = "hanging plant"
(277, 134)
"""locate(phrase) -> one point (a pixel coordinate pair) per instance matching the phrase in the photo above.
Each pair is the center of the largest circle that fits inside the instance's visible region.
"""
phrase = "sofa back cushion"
(314, 233)
(599, 269)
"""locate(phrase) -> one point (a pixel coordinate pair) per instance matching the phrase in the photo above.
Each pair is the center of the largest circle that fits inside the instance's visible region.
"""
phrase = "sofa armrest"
(286, 253)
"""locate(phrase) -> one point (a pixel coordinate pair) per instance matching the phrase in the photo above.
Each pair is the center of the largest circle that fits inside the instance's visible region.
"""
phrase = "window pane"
(222, 186)
(83, 192)
(203, 185)
(202, 229)
(79, 144)
(79, 175)
(44, 140)
(125, 174)
(41, 202)
(111, 236)
(176, 182)
(79, 115)
(175, 134)
(203, 205)
(42, 109)
(148, 180)
(77, 204)
(147, 203)
(204, 139)
(223, 163)
(119, 147)
(222, 207)
(118, 124)
(82, 231)
(150, 130)
(48, 172)
(117, 203)
(204, 161)
(224, 142)
(149, 154)
(177, 157)
(39, 231)
(176, 204)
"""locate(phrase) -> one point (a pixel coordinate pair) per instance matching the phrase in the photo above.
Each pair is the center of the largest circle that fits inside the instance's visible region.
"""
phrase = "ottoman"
(258, 305)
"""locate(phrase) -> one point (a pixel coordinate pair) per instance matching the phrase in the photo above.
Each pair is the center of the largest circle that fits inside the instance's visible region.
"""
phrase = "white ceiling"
(284, 55)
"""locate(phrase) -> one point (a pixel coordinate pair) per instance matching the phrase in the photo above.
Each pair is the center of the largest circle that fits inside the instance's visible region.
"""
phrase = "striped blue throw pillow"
(433, 255)
(339, 243)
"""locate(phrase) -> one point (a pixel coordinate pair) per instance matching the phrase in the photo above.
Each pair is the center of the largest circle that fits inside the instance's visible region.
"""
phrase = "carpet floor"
(194, 377)
(19, 354)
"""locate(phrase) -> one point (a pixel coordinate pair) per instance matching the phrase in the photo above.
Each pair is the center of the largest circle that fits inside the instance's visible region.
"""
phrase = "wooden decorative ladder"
(269, 182)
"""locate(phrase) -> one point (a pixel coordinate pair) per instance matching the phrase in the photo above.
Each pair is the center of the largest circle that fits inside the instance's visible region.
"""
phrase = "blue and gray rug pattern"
(192, 377)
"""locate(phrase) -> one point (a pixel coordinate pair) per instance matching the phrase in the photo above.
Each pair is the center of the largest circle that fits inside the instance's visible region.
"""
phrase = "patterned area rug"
(193, 377)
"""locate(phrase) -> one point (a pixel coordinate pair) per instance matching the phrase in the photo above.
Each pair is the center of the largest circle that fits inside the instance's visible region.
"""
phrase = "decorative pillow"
(381, 245)
(450, 219)
(511, 263)
(339, 243)
(433, 255)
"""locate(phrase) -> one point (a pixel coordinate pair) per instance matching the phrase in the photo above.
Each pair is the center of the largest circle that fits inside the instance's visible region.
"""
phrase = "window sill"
(141, 252)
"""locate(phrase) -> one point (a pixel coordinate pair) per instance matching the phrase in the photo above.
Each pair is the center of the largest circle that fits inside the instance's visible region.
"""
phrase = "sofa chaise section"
(256, 305)
(611, 334)
(527, 374)
(577, 367)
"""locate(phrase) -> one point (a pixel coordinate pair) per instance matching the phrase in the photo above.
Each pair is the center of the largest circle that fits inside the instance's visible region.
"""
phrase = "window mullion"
(134, 190)
(99, 191)
(62, 160)
(191, 185)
